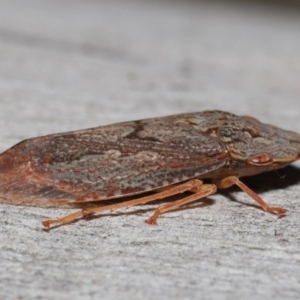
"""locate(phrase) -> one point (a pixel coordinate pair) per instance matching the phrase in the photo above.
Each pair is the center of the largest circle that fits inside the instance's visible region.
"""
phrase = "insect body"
(168, 155)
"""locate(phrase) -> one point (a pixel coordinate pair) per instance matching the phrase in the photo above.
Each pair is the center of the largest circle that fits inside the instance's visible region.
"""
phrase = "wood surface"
(67, 65)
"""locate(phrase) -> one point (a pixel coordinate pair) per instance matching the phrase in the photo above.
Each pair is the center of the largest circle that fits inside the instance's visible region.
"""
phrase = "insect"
(167, 156)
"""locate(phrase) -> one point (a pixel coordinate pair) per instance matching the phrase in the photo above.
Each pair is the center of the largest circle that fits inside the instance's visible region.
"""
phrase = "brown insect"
(168, 155)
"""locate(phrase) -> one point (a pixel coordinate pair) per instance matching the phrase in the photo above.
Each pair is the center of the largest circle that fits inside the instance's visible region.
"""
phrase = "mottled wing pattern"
(107, 162)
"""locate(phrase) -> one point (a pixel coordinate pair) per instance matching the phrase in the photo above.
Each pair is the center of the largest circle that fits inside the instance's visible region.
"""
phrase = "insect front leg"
(231, 180)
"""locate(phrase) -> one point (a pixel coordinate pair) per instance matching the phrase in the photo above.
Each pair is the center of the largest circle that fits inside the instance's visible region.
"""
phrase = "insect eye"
(260, 160)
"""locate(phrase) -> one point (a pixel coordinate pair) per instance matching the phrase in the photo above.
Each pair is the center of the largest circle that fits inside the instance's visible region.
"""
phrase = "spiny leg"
(201, 192)
(191, 185)
(231, 180)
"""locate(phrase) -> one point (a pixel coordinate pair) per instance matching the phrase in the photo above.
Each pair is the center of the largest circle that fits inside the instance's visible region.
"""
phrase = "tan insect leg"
(229, 181)
(192, 185)
(203, 191)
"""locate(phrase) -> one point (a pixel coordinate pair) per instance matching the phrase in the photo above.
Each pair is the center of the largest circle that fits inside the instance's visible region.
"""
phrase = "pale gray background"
(66, 65)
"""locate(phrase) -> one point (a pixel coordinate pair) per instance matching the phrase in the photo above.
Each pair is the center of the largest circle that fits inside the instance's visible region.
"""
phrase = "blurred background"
(71, 64)
(67, 65)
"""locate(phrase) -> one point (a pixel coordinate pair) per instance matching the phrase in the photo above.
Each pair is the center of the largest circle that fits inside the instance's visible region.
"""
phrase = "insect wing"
(106, 162)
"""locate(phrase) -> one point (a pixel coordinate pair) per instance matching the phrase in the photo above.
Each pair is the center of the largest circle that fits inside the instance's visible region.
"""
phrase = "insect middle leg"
(201, 190)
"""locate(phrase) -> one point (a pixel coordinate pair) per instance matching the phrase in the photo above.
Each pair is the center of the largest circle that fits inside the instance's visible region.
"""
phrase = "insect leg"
(231, 180)
(192, 185)
(202, 191)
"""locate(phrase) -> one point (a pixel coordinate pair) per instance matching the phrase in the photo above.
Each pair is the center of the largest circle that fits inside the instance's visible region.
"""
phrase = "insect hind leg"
(193, 185)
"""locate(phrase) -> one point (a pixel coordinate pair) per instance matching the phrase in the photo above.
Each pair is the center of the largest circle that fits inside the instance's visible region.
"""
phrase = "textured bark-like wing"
(106, 162)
